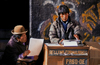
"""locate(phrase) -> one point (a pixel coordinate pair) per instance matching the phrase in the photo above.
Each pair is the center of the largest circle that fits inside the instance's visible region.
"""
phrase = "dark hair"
(17, 36)
(63, 9)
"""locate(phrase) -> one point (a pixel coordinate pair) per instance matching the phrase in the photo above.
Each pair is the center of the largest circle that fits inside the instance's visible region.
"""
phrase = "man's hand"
(61, 41)
(76, 36)
(26, 53)
(35, 57)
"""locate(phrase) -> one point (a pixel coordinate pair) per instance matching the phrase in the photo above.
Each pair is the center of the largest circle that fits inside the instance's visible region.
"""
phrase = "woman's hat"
(19, 29)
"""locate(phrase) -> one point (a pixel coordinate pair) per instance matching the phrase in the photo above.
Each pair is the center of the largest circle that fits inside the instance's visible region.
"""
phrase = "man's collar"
(66, 21)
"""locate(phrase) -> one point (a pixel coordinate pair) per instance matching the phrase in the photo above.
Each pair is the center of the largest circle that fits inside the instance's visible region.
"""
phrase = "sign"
(67, 52)
(75, 61)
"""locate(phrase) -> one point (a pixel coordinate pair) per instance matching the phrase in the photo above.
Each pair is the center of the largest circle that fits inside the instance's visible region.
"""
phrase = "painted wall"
(44, 12)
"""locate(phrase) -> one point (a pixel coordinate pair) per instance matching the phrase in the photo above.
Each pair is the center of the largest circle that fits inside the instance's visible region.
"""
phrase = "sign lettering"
(75, 61)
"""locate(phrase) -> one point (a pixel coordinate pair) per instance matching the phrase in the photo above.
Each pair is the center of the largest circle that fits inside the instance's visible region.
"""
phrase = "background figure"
(16, 47)
(64, 27)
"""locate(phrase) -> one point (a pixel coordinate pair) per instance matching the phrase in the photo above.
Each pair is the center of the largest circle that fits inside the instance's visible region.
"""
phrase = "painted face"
(64, 16)
(23, 38)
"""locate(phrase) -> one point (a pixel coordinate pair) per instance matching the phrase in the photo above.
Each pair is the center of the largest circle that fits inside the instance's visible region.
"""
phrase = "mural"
(86, 12)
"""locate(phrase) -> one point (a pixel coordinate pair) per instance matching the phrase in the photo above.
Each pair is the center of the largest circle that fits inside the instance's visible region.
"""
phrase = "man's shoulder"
(56, 22)
(11, 43)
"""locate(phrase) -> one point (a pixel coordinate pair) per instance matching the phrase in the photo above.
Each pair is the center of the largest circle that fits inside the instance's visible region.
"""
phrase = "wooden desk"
(60, 55)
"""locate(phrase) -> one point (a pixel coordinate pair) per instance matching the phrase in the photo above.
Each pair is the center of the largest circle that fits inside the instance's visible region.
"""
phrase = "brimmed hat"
(19, 29)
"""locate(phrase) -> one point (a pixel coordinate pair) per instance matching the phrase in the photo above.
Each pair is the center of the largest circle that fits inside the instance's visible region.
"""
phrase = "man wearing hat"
(64, 27)
(16, 46)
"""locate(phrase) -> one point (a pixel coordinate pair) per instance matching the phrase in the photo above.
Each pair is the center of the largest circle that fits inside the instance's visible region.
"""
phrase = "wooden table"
(55, 54)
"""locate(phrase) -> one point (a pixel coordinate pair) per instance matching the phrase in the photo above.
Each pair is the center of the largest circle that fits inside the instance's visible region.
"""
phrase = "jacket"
(12, 51)
(57, 32)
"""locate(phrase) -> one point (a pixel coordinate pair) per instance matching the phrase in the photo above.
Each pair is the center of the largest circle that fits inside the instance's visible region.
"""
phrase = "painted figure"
(64, 27)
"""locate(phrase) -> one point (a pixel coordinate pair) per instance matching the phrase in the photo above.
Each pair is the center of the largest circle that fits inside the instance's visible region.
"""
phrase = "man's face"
(23, 38)
(64, 16)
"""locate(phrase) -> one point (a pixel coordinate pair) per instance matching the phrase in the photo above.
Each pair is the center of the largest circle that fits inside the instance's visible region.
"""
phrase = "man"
(16, 47)
(63, 27)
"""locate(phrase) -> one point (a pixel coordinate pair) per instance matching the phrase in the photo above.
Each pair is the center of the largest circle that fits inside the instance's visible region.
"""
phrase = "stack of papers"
(52, 44)
(69, 43)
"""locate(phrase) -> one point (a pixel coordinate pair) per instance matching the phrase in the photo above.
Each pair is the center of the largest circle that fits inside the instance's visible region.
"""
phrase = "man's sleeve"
(21, 56)
(78, 31)
(53, 34)
(27, 57)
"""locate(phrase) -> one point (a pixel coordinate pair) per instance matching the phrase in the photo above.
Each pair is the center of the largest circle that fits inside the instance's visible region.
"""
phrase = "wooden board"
(94, 52)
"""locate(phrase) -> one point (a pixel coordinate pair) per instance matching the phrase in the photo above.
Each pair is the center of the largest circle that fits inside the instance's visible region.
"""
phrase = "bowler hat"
(19, 29)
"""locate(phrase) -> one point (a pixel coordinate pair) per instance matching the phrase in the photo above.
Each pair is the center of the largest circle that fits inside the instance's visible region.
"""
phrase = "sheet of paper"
(70, 43)
(35, 46)
(52, 44)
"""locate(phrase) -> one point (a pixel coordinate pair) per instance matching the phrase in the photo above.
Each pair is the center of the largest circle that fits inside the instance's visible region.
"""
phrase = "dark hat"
(63, 9)
(19, 29)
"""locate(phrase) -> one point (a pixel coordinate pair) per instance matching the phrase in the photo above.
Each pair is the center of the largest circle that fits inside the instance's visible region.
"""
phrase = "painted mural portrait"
(64, 28)
(85, 12)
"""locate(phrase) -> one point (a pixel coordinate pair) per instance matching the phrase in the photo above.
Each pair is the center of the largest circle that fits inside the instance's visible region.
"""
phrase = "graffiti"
(89, 13)
(98, 5)
(77, 2)
(55, 15)
(89, 18)
(90, 21)
(98, 39)
(52, 3)
(44, 26)
(45, 30)
(40, 25)
(59, 2)
(87, 35)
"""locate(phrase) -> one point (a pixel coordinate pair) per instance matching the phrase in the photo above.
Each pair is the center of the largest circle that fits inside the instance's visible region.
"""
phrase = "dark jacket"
(12, 51)
(57, 32)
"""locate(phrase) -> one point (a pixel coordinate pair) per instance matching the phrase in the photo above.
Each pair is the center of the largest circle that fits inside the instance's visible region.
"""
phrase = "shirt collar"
(66, 21)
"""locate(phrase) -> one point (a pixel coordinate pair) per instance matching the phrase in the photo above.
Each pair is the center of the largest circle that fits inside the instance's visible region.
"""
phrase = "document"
(70, 43)
(52, 44)
(35, 46)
